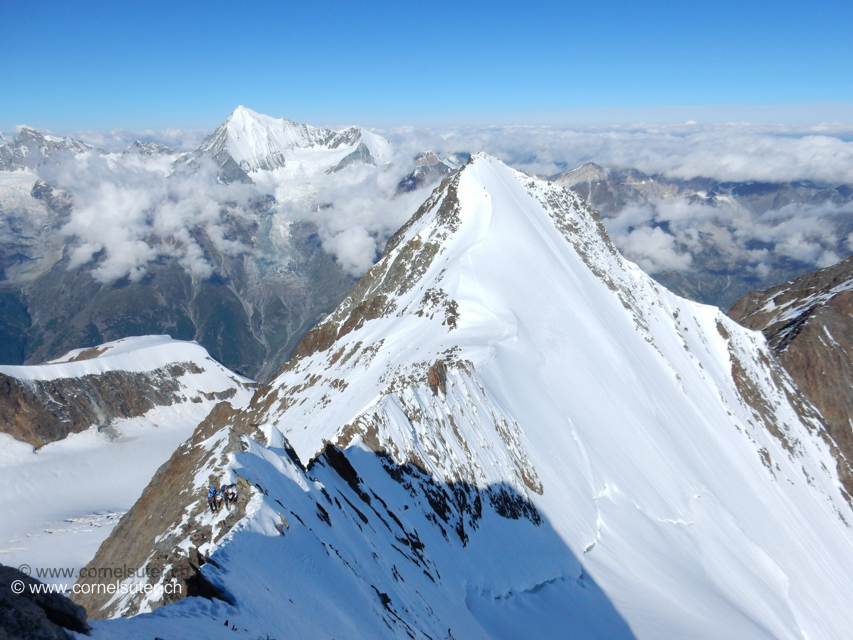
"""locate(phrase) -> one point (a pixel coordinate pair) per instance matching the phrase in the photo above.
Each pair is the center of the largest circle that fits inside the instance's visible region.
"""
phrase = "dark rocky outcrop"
(361, 155)
(42, 411)
(809, 324)
(41, 616)
(437, 377)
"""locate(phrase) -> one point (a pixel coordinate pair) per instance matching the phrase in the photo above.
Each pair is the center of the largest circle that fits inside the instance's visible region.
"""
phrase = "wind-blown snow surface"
(61, 501)
(637, 424)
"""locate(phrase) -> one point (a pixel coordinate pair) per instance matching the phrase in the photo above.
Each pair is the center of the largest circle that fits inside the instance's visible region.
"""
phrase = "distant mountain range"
(716, 226)
(30, 149)
(250, 313)
(270, 279)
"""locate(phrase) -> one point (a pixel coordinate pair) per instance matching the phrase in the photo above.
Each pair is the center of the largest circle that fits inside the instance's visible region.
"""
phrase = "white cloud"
(654, 250)
(732, 152)
(355, 210)
(128, 216)
(127, 213)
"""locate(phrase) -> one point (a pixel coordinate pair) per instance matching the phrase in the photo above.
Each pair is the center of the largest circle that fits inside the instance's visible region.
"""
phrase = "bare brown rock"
(147, 537)
(436, 378)
(809, 324)
(42, 411)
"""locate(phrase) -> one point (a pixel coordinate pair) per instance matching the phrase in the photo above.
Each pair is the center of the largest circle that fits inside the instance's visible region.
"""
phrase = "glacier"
(61, 500)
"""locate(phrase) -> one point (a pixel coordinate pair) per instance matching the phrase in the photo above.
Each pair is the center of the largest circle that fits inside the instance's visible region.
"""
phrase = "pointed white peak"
(257, 142)
(589, 172)
(503, 341)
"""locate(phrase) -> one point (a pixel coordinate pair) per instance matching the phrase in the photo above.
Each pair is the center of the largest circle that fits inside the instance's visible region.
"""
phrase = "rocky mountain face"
(161, 508)
(32, 148)
(149, 149)
(705, 218)
(250, 317)
(809, 324)
(429, 168)
(467, 449)
(41, 616)
(100, 385)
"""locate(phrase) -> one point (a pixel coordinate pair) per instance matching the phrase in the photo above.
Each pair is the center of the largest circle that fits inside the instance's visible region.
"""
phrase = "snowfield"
(538, 441)
(61, 501)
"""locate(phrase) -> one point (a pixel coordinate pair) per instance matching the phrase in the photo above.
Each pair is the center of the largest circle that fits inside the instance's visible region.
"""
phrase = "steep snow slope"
(537, 439)
(60, 502)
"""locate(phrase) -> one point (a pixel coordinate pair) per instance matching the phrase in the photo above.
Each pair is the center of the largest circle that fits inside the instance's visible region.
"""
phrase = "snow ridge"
(553, 424)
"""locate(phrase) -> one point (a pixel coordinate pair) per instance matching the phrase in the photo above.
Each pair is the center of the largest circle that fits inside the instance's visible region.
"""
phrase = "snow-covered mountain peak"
(32, 147)
(437, 280)
(589, 172)
(530, 409)
(249, 142)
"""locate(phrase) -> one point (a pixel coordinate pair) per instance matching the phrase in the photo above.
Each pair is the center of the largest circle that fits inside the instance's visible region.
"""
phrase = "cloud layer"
(728, 152)
(128, 213)
(666, 236)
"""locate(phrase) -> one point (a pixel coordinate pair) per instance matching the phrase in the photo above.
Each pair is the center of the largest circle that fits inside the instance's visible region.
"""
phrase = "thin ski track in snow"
(539, 441)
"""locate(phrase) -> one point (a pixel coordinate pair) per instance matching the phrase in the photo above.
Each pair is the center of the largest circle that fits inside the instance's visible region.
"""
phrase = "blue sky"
(98, 65)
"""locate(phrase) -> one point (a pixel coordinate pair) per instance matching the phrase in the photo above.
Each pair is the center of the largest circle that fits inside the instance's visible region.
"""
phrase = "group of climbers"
(227, 494)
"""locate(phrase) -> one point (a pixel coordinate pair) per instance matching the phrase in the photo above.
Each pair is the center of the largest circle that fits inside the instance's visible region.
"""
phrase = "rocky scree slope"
(809, 324)
(509, 429)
